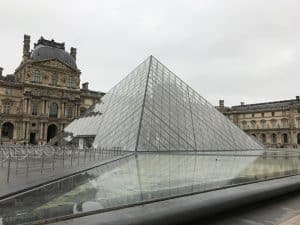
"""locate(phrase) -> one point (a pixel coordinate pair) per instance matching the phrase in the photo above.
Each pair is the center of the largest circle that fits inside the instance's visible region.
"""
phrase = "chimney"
(73, 52)
(26, 46)
(1, 70)
(221, 103)
(85, 86)
(297, 98)
(242, 103)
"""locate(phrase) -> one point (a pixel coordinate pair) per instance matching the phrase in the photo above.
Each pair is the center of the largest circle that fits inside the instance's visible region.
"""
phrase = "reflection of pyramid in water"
(153, 110)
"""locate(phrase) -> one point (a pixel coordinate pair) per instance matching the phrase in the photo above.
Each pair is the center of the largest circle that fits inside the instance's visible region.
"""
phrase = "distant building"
(276, 124)
(43, 95)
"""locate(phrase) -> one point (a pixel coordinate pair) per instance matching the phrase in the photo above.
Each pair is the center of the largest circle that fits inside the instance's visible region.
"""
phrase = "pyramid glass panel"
(177, 118)
(154, 110)
(121, 111)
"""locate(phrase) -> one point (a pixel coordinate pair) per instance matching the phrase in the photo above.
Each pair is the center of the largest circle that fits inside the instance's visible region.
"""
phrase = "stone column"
(41, 131)
(29, 105)
(45, 131)
(25, 106)
(25, 131)
(62, 115)
(47, 108)
(76, 110)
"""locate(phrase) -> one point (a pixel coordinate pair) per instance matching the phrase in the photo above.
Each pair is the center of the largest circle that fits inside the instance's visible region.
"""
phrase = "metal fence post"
(42, 164)
(63, 157)
(78, 156)
(2, 157)
(27, 162)
(53, 159)
(17, 163)
(8, 167)
(72, 157)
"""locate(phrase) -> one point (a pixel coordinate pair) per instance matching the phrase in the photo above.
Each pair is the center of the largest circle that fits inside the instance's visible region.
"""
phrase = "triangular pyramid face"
(154, 110)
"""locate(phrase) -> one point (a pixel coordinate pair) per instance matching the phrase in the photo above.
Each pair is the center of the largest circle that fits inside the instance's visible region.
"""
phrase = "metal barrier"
(28, 160)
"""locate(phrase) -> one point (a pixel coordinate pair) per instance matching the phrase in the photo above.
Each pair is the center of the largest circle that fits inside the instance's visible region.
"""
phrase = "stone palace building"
(43, 95)
(276, 124)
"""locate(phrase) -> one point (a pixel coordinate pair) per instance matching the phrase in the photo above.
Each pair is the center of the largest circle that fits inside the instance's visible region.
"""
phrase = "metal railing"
(28, 160)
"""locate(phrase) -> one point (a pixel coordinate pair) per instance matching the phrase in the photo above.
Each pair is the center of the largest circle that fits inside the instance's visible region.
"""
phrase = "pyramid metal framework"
(152, 109)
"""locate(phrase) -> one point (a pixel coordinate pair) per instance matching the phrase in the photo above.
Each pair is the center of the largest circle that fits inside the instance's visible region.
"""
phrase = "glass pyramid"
(152, 109)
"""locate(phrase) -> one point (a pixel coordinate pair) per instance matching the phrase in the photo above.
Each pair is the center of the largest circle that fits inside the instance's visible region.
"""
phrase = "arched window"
(36, 76)
(263, 138)
(285, 138)
(53, 110)
(7, 130)
(274, 138)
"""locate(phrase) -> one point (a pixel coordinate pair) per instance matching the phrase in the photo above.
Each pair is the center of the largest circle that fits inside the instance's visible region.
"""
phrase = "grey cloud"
(238, 50)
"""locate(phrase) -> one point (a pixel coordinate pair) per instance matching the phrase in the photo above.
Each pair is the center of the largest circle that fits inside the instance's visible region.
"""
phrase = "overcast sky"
(236, 50)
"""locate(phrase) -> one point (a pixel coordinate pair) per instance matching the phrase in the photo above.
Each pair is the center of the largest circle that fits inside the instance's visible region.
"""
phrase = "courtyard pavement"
(20, 181)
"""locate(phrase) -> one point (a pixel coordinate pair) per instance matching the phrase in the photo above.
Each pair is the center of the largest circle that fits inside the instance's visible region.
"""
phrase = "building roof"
(45, 49)
(267, 105)
(8, 77)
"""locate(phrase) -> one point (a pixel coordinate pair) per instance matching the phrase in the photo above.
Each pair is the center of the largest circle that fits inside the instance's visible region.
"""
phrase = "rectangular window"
(71, 82)
(6, 108)
(273, 122)
(273, 113)
(34, 109)
(8, 91)
(54, 79)
(284, 123)
(69, 112)
(36, 76)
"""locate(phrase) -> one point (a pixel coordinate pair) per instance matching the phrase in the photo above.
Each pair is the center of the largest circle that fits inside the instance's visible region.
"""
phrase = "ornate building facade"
(43, 95)
(275, 124)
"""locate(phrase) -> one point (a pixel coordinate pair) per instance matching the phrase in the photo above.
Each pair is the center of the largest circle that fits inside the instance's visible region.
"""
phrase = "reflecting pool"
(145, 177)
